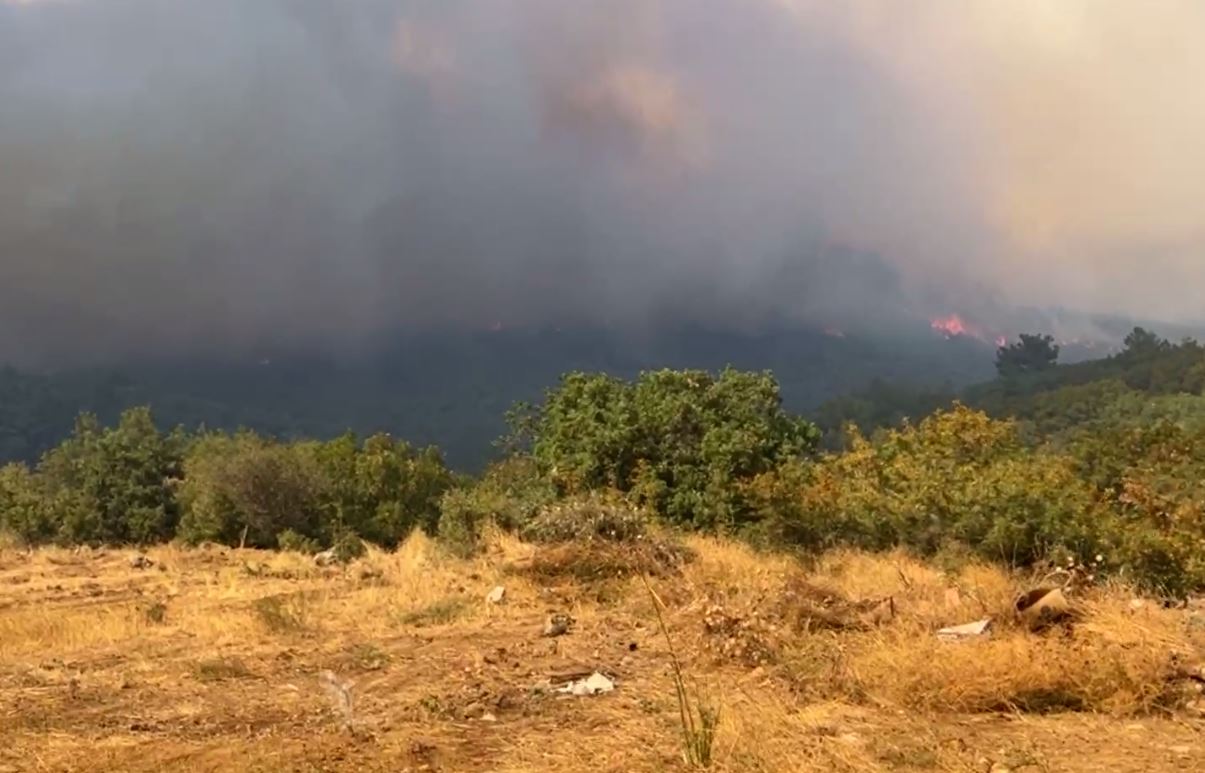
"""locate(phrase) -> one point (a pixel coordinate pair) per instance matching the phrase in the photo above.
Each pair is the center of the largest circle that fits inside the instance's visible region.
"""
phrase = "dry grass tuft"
(1111, 662)
(595, 561)
(441, 612)
(287, 613)
(220, 669)
(193, 666)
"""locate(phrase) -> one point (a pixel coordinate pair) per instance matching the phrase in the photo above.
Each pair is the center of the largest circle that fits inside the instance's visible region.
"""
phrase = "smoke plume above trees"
(178, 175)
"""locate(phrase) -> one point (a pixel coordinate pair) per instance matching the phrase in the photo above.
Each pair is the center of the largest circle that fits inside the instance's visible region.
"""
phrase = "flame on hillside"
(954, 326)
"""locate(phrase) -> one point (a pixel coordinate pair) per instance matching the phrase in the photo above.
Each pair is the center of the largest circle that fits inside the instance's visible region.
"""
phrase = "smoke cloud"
(234, 175)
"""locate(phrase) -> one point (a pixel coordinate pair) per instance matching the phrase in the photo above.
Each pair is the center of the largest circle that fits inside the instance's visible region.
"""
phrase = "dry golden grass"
(210, 660)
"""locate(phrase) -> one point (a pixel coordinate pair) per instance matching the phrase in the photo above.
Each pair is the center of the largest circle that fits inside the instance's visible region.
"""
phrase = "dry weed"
(79, 660)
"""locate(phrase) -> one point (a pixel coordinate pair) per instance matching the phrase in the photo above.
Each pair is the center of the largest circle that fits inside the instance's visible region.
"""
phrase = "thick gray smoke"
(234, 174)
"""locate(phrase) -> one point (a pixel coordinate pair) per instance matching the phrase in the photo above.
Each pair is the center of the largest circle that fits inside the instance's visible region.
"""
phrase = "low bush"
(588, 517)
(589, 562)
(509, 495)
(464, 514)
(348, 547)
(292, 541)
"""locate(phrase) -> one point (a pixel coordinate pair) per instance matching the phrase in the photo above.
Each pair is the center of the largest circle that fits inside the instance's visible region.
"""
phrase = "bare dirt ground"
(210, 659)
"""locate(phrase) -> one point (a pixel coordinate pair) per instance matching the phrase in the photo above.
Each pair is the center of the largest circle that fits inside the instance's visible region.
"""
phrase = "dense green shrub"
(1154, 477)
(113, 484)
(464, 515)
(23, 511)
(1107, 460)
(246, 488)
(957, 476)
(382, 489)
(519, 490)
(681, 442)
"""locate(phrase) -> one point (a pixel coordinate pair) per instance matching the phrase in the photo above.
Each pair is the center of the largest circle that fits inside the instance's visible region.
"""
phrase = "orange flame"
(954, 326)
(951, 326)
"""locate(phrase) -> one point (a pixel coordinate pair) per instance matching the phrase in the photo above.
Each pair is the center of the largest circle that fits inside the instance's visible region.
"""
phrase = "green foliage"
(383, 489)
(958, 476)
(113, 485)
(244, 485)
(509, 494)
(1031, 354)
(879, 405)
(1154, 477)
(1142, 343)
(132, 483)
(458, 396)
(1150, 380)
(290, 540)
(348, 547)
(103, 484)
(1103, 457)
(523, 490)
(1134, 495)
(464, 515)
(680, 442)
(23, 512)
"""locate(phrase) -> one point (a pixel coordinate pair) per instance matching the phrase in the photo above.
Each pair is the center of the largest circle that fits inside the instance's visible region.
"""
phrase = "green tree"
(383, 489)
(247, 486)
(23, 510)
(1031, 354)
(1143, 343)
(114, 485)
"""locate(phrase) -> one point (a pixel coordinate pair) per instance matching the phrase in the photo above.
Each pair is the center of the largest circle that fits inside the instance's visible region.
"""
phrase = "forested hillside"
(452, 390)
(1150, 379)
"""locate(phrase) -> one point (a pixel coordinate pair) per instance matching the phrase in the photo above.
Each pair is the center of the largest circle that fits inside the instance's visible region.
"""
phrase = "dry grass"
(211, 660)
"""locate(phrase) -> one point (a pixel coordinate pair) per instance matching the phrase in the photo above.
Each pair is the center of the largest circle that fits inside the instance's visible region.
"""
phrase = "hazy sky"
(259, 172)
